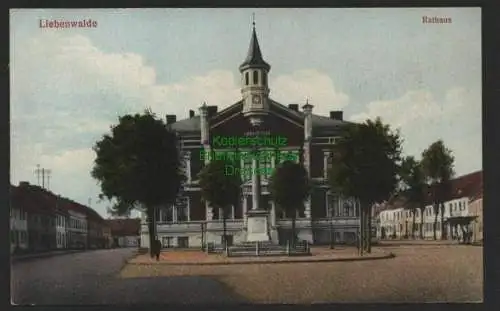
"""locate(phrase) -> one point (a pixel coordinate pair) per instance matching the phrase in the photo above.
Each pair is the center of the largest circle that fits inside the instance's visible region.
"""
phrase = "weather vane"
(253, 20)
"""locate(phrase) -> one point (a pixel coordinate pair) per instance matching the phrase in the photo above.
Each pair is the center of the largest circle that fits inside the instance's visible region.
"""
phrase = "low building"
(95, 229)
(41, 221)
(106, 234)
(62, 216)
(125, 232)
(40, 206)
(18, 222)
(77, 227)
(476, 210)
(396, 220)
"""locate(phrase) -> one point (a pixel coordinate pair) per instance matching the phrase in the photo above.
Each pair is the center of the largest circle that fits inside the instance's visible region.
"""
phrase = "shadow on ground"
(169, 289)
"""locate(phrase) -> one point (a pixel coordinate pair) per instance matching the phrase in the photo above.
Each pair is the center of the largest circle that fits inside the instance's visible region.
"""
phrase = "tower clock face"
(256, 99)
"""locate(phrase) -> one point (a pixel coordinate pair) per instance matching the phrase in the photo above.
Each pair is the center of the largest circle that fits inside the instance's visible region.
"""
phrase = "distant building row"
(463, 213)
(41, 221)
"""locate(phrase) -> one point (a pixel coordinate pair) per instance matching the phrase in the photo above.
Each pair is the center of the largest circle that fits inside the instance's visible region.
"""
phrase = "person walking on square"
(157, 249)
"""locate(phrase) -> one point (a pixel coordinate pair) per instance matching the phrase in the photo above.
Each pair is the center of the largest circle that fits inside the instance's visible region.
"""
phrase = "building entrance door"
(167, 242)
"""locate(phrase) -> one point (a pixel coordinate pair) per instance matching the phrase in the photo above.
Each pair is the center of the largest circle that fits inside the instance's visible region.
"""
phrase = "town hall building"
(300, 135)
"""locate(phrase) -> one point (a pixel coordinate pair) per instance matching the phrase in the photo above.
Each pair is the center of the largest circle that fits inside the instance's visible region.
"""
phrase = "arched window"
(255, 77)
(246, 79)
(264, 78)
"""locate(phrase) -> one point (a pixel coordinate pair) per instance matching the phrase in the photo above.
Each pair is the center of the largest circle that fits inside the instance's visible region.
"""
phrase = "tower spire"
(254, 55)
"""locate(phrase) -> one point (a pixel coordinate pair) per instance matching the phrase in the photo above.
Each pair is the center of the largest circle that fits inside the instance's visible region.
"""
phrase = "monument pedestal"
(258, 226)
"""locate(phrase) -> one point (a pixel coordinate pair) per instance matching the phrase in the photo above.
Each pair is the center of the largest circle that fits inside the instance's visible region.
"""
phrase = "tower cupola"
(254, 82)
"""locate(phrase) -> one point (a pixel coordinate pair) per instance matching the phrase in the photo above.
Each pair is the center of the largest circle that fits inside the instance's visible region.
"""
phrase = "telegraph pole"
(37, 172)
(48, 178)
(44, 173)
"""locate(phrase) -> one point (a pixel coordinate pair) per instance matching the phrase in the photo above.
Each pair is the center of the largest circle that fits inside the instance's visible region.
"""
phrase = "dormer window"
(247, 80)
(255, 77)
(264, 82)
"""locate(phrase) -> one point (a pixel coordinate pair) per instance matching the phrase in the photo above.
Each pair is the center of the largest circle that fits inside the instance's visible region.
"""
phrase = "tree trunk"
(361, 229)
(224, 228)
(436, 212)
(406, 228)
(292, 242)
(150, 214)
(444, 234)
(413, 224)
(369, 229)
(422, 223)
(332, 233)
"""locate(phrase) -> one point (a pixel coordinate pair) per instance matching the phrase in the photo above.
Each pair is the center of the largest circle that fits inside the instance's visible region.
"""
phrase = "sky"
(68, 86)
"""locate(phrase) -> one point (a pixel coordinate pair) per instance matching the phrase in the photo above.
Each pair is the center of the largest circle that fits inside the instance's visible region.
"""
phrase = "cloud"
(423, 118)
(66, 93)
(312, 84)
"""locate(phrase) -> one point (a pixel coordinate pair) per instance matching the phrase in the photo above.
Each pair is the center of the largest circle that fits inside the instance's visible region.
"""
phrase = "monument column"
(205, 144)
(255, 181)
(245, 209)
(307, 108)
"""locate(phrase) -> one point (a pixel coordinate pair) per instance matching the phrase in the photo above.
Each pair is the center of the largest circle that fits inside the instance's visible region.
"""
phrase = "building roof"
(254, 55)
(319, 123)
(35, 199)
(469, 186)
(124, 227)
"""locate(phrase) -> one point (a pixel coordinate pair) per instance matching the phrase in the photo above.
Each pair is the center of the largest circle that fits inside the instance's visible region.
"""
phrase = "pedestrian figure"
(157, 249)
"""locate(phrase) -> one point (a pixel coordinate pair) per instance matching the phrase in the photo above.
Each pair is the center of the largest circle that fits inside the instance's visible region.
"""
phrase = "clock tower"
(254, 78)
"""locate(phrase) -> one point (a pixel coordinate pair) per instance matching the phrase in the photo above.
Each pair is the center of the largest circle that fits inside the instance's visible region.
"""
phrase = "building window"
(266, 163)
(247, 80)
(333, 205)
(255, 77)
(187, 166)
(182, 209)
(166, 215)
(264, 76)
(183, 241)
(167, 241)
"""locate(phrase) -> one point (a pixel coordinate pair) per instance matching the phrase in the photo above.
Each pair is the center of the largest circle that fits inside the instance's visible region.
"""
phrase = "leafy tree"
(413, 188)
(366, 166)
(220, 189)
(438, 162)
(138, 166)
(290, 186)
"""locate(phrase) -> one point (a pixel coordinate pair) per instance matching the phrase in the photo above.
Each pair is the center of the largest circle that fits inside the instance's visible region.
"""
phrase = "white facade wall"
(61, 232)
(128, 241)
(393, 221)
(18, 229)
(77, 229)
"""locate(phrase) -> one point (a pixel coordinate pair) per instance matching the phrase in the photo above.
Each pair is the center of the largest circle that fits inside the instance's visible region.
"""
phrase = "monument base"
(258, 226)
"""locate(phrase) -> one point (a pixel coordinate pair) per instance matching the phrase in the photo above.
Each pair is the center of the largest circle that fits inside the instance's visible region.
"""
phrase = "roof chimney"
(337, 115)
(171, 118)
(191, 113)
(212, 111)
(294, 107)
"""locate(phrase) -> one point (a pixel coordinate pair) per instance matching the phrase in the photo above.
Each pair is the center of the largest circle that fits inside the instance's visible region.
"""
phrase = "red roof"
(470, 185)
(124, 227)
(36, 199)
